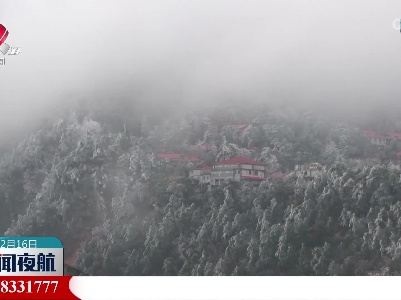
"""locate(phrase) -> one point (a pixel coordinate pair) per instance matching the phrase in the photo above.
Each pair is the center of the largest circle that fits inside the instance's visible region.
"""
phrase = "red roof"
(396, 136)
(191, 159)
(240, 160)
(373, 134)
(169, 155)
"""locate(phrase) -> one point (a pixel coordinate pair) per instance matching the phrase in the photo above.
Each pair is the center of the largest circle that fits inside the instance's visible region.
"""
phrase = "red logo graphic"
(3, 36)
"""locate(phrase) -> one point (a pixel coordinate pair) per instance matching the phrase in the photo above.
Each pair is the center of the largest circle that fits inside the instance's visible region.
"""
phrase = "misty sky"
(339, 53)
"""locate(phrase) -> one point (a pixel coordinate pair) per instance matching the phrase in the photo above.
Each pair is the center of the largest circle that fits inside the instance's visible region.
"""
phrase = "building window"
(250, 172)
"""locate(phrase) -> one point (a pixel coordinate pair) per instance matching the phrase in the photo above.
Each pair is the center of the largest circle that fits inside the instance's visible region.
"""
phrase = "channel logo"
(4, 47)
(3, 36)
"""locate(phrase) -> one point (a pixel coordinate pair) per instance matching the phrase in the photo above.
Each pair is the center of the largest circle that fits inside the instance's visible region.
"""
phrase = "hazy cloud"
(335, 53)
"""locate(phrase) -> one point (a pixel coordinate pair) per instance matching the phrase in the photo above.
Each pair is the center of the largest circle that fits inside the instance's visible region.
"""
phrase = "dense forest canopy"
(93, 179)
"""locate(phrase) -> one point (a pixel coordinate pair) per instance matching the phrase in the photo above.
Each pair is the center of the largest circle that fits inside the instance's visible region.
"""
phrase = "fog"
(336, 54)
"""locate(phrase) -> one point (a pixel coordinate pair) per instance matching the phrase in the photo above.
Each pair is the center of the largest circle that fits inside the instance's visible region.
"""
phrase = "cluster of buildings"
(240, 169)
(382, 141)
(379, 139)
(245, 169)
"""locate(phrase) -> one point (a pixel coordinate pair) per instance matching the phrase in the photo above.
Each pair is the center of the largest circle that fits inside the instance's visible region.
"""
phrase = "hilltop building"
(381, 140)
(240, 169)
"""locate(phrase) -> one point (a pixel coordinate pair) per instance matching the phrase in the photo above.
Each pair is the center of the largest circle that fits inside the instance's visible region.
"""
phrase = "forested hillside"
(94, 180)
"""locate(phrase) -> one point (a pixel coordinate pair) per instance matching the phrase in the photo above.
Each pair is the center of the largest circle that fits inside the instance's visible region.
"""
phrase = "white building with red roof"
(241, 169)
(379, 139)
(238, 169)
